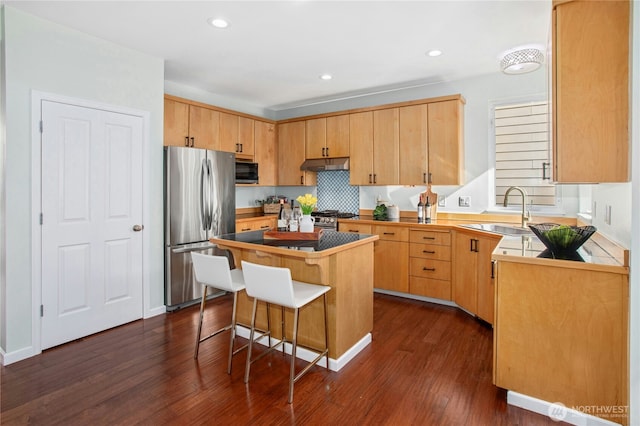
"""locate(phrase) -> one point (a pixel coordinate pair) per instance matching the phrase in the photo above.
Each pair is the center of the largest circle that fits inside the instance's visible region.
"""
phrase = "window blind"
(523, 153)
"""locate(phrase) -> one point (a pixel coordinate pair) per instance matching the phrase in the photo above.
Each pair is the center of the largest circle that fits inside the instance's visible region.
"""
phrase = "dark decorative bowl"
(562, 240)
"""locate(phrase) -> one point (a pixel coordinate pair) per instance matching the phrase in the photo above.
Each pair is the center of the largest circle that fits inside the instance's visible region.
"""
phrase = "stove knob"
(332, 219)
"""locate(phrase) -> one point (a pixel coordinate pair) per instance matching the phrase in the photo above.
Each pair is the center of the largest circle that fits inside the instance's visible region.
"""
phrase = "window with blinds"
(523, 153)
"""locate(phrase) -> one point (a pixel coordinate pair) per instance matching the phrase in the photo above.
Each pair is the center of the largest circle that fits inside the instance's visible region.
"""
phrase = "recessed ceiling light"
(218, 22)
(434, 53)
(326, 77)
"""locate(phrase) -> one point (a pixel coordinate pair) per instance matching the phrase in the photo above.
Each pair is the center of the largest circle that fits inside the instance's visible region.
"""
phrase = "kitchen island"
(340, 260)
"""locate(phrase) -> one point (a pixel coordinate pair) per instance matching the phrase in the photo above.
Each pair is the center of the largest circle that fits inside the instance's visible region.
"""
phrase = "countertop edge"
(293, 253)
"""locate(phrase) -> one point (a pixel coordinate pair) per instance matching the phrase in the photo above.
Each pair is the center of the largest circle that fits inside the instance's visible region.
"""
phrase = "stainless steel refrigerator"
(200, 202)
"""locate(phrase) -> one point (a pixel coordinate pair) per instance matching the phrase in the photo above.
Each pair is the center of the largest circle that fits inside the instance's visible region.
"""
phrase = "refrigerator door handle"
(209, 189)
(203, 206)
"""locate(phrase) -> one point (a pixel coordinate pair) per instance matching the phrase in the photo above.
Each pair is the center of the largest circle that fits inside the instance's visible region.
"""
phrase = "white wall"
(47, 57)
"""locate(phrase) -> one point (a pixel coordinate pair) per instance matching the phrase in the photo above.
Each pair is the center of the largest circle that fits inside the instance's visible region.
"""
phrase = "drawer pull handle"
(428, 251)
(354, 230)
(428, 269)
(388, 233)
(246, 229)
(265, 227)
(428, 238)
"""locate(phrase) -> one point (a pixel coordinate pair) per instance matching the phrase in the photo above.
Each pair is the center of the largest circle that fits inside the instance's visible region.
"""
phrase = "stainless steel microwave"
(246, 172)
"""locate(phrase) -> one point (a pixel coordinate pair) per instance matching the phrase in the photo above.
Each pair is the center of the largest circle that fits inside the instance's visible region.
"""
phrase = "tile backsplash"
(335, 193)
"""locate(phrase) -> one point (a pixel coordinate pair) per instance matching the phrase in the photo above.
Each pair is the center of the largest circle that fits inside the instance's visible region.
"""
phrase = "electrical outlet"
(464, 201)
(441, 200)
(607, 214)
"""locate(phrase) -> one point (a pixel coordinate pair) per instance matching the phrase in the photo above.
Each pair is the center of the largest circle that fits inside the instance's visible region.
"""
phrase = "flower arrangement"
(307, 203)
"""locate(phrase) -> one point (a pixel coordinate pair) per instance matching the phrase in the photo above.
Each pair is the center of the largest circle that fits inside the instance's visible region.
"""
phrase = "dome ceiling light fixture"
(521, 61)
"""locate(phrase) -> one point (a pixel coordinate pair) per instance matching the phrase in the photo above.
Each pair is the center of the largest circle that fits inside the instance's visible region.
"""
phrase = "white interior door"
(91, 204)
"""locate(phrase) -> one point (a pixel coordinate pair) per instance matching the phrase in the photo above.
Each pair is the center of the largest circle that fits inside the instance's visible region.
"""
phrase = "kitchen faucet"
(525, 214)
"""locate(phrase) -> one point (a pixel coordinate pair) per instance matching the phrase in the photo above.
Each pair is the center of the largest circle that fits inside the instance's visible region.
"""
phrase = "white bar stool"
(214, 271)
(274, 285)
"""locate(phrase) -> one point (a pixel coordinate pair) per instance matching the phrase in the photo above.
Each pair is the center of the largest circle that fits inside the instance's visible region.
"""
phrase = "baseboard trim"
(307, 355)
(155, 311)
(15, 356)
(557, 411)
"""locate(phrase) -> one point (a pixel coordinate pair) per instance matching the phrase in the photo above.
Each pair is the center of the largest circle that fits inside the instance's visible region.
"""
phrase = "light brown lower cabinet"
(473, 283)
(391, 258)
(430, 264)
(255, 224)
(561, 335)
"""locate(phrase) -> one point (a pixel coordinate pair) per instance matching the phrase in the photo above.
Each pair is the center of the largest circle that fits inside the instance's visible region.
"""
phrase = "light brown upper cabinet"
(374, 147)
(413, 145)
(291, 155)
(590, 91)
(327, 137)
(237, 135)
(266, 153)
(446, 142)
(190, 125)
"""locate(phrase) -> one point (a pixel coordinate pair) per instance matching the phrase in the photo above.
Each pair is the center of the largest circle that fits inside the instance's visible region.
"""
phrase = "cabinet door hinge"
(41, 219)
(41, 310)
(41, 126)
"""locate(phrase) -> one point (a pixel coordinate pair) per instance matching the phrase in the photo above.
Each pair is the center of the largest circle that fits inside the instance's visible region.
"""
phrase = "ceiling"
(273, 52)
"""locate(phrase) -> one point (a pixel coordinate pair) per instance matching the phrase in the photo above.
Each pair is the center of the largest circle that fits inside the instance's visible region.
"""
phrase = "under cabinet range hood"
(325, 164)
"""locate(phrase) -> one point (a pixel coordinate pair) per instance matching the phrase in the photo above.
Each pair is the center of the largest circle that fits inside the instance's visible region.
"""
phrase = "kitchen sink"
(500, 228)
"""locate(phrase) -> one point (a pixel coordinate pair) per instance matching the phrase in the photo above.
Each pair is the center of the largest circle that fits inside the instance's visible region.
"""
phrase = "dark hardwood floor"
(427, 365)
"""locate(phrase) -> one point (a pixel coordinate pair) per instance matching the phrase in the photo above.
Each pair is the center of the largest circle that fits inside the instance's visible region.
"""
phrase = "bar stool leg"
(251, 334)
(293, 354)
(233, 331)
(204, 298)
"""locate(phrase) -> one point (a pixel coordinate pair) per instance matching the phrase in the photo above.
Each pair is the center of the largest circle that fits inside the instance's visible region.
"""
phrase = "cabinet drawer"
(439, 289)
(430, 251)
(431, 237)
(356, 228)
(427, 268)
(391, 233)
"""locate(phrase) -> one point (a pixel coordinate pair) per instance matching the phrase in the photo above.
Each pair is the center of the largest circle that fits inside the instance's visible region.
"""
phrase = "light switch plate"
(442, 201)
(464, 201)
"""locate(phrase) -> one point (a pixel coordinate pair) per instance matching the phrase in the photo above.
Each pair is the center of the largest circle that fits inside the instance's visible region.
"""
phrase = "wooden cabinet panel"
(590, 91)
(291, 154)
(357, 228)
(190, 125)
(237, 135)
(265, 153)
(229, 132)
(391, 233)
(327, 137)
(446, 146)
(473, 285)
(391, 265)
(465, 285)
(386, 147)
(429, 268)
(246, 138)
(361, 148)
(315, 137)
(430, 251)
(176, 123)
(431, 237)
(203, 127)
(337, 142)
(427, 287)
(413, 145)
(430, 263)
(562, 326)
(266, 223)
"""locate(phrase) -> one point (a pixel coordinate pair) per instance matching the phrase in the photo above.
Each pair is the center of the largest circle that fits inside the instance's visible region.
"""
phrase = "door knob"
(138, 228)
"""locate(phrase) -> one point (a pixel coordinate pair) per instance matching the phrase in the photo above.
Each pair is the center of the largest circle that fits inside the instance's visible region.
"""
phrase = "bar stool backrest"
(213, 271)
(269, 283)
